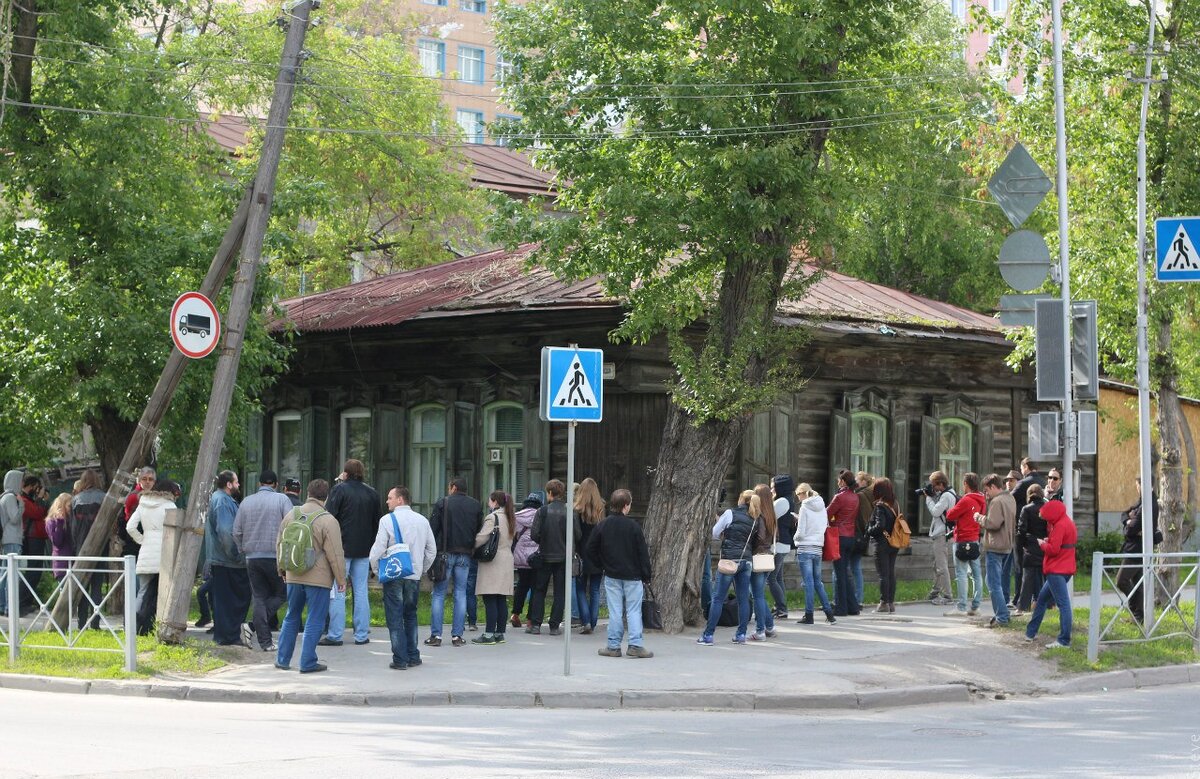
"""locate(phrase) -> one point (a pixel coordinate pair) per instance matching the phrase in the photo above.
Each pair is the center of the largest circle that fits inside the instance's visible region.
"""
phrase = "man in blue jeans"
(618, 547)
(455, 521)
(400, 596)
(1001, 526)
(356, 506)
(310, 589)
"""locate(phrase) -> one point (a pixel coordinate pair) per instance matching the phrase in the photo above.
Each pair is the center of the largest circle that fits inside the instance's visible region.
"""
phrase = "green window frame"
(504, 449)
(956, 448)
(427, 435)
(868, 443)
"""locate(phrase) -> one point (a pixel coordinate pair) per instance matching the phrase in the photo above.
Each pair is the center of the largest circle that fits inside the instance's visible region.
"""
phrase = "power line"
(817, 125)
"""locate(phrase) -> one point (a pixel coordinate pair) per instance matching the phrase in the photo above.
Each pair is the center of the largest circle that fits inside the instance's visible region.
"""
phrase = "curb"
(645, 700)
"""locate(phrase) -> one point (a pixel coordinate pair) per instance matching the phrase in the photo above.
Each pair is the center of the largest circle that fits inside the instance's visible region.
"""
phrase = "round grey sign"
(1024, 260)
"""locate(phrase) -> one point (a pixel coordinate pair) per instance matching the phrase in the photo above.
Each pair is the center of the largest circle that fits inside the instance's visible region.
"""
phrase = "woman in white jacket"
(810, 540)
(146, 527)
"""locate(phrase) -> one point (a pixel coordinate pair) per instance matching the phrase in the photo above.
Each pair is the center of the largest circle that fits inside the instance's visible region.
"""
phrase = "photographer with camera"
(939, 499)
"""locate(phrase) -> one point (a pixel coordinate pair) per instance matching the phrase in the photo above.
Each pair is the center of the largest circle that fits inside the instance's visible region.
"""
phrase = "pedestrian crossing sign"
(572, 384)
(1175, 242)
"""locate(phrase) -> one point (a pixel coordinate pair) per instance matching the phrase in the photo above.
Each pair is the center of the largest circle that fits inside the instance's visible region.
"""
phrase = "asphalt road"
(1154, 732)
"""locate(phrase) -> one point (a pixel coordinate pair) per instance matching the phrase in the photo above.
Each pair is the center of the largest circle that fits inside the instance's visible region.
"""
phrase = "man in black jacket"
(455, 520)
(618, 546)
(356, 507)
(549, 530)
(1129, 578)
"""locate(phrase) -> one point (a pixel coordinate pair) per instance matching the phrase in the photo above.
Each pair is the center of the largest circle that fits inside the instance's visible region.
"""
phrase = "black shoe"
(829, 618)
(360, 643)
(555, 632)
(534, 630)
(316, 669)
(203, 622)
(283, 667)
(328, 642)
(808, 619)
(414, 663)
(397, 667)
(211, 629)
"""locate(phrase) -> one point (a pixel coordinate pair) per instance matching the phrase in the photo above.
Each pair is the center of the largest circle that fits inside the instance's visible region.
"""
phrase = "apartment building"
(455, 44)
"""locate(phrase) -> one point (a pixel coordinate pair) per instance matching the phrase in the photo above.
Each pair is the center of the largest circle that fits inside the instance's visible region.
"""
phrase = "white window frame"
(959, 464)
(429, 47)
(477, 64)
(470, 135)
(418, 481)
(872, 461)
(512, 480)
(473, 6)
(287, 415)
(358, 412)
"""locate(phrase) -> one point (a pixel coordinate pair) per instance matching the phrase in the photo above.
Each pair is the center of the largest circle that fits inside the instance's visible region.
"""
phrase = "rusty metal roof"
(490, 167)
(500, 281)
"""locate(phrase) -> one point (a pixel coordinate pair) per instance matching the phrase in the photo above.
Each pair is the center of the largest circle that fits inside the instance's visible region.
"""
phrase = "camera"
(925, 489)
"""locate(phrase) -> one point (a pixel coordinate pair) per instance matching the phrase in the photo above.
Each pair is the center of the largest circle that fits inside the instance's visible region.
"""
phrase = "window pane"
(357, 441)
(471, 123)
(470, 64)
(475, 6)
(287, 446)
(432, 55)
(509, 425)
(430, 427)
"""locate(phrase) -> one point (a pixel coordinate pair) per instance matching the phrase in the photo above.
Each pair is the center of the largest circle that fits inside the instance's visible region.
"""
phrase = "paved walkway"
(914, 656)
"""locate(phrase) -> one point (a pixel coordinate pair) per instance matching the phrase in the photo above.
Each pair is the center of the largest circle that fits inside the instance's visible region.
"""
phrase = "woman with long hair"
(734, 528)
(495, 578)
(883, 519)
(60, 536)
(145, 527)
(787, 514)
(524, 548)
(589, 507)
(810, 542)
(762, 510)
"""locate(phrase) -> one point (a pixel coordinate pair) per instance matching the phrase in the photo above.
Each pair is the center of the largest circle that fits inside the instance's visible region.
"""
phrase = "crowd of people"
(271, 550)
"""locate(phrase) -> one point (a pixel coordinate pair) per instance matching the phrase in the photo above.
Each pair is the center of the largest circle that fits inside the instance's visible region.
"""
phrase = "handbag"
(967, 551)
(486, 552)
(535, 559)
(832, 551)
(651, 613)
(576, 565)
(441, 561)
(396, 562)
(763, 563)
(730, 567)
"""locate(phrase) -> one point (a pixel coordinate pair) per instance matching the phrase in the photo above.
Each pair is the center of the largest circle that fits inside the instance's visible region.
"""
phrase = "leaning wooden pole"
(173, 624)
(139, 446)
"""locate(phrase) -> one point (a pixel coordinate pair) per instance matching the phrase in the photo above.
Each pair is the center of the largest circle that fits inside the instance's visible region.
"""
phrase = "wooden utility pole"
(173, 606)
(138, 450)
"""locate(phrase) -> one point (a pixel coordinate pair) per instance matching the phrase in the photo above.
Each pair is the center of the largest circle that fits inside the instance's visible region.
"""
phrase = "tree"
(912, 215)
(117, 198)
(1102, 126)
(689, 138)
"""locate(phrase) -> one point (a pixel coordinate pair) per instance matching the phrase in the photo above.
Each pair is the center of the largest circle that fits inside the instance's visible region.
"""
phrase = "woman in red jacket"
(1058, 563)
(966, 544)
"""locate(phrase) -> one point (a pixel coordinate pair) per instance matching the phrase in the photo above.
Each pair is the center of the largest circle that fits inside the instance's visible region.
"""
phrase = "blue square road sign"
(1175, 242)
(572, 385)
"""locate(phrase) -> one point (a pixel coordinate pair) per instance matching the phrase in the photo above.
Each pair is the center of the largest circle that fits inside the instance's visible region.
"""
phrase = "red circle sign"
(195, 325)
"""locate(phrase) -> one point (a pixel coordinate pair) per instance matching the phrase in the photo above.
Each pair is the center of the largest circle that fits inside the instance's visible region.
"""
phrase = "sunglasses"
(1053, 478)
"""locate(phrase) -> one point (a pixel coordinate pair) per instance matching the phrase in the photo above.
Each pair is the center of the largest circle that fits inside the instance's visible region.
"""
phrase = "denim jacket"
(218, 537)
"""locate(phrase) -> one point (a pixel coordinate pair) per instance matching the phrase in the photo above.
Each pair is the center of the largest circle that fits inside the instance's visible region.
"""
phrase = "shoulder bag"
(730, 567)
(651, 613)
(396, 562)
(441, 561)
(486, 552)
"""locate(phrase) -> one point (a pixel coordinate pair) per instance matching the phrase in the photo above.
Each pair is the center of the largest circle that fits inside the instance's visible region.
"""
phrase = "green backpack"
(296, 552)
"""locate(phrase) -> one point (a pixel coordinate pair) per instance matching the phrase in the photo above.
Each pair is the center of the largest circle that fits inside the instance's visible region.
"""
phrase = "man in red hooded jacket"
(1058, 564)
(961, 517)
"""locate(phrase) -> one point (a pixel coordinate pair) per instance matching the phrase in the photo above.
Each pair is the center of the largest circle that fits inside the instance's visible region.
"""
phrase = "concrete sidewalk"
(915, 656)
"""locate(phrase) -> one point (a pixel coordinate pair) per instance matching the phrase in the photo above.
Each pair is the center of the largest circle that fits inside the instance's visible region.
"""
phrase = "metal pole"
(570, 588)
(130, 614)
(1196, 611)
(1060, 123)
(14, 607)
(1143, 349)
(1093, 649)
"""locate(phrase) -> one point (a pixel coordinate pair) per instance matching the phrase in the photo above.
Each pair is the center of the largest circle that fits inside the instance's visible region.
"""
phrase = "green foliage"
(1108, 543)
(101, 657)
(1102, 109)
(912, 216)
(361, 177)
(108, 214)
(689, 138)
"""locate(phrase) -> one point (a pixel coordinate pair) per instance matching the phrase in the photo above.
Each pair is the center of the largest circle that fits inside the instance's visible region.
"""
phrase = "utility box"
(1051, 351)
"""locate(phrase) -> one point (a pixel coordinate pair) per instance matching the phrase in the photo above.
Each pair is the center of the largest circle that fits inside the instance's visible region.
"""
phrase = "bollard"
(1093, 648)
(130, 613)
(14, 608)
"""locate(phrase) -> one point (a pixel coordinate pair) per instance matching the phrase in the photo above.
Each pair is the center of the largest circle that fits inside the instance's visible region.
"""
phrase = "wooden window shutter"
(387, 445)
(839, 447)
(463, 448)
(254, 448)
(984, 454)
(898, 461)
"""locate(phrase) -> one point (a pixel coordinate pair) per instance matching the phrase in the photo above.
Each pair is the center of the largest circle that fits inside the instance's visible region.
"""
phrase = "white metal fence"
(83, 608)
(1156, 626)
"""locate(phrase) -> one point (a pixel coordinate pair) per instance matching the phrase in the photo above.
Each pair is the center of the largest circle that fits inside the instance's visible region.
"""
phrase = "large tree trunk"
(692, 462)
(1176, 524)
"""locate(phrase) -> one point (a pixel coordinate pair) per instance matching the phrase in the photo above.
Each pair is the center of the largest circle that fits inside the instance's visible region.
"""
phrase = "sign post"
(572, 391)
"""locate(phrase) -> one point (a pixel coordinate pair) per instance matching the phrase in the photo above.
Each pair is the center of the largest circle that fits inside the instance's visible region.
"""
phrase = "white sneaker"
(955, 613)
(249, 640)
(1057, 645)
